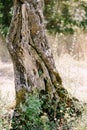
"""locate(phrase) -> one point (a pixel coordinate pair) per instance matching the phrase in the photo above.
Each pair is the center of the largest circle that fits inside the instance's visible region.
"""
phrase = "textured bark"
(32, 58)
(34, 66)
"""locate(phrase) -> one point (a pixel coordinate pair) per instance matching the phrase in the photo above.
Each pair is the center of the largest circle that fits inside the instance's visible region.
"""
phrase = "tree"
(34, 66)
(32, 58)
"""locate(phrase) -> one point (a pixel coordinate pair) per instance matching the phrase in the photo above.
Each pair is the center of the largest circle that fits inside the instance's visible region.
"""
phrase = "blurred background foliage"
(5, 15)
(62, 16)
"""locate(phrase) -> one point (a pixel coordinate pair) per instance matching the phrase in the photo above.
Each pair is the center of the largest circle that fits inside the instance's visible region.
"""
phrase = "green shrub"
(29, 116)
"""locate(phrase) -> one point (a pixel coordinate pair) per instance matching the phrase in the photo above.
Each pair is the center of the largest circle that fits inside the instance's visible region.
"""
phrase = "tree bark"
(33, 62)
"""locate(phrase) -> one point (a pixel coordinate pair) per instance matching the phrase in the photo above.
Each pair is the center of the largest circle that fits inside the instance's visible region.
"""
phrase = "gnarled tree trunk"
(34, 67)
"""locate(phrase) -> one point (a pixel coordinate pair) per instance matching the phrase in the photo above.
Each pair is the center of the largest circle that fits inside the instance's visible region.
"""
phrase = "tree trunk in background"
(34, 67)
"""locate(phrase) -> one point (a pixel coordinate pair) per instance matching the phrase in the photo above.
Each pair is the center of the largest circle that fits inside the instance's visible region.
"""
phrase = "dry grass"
(74, 75)
(7, 89)
(73, 70)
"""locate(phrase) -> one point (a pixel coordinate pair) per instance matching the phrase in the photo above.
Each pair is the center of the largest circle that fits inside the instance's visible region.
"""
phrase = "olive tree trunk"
(33, 62)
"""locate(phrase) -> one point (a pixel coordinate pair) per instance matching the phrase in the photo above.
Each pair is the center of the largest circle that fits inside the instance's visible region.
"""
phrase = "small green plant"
(29, 115)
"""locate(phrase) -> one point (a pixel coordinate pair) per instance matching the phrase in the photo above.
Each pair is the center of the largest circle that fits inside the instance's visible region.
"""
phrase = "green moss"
(58, 78)
(20, 96)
